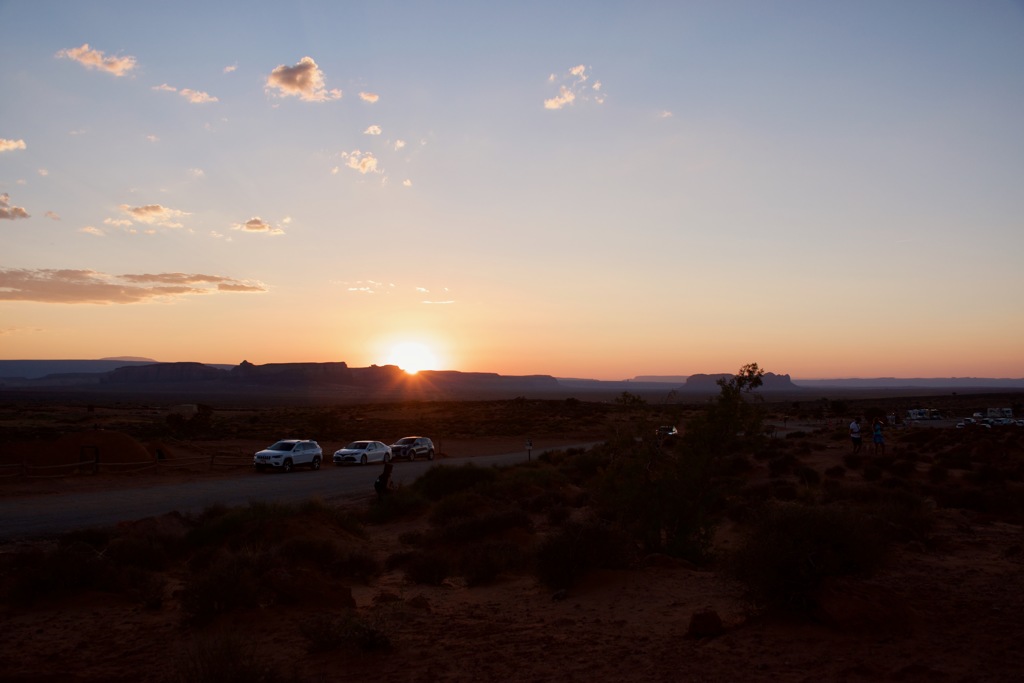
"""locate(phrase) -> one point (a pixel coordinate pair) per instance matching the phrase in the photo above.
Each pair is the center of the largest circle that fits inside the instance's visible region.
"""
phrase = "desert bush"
(256, 523)
(224, 658)
(808, 476)
(441, 481)
(65, 570)
(427, 567)
(462, 505)
(230, 582)
(579, 547)
(791, 548)
(482, 526)
(331, 631)
(481, 563)
(402, 502)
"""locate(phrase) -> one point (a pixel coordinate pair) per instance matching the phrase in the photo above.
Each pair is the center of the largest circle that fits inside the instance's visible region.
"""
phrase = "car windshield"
(357, 446)
(282, 446)
(406, 441)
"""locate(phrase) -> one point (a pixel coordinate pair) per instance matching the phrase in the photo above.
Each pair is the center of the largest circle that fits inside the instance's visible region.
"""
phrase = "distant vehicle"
(667, 431)
(362, 452)
(413, 447)
(288, 454)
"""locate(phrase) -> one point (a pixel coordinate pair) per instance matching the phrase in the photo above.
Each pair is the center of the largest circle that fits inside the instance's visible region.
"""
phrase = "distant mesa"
(769, 382)
(132, 359)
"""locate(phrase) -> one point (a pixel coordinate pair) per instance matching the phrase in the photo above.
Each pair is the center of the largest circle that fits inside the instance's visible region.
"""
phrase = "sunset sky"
(580, 189)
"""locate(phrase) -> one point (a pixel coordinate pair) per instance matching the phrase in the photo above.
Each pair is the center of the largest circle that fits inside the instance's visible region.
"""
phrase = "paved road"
(39, 516)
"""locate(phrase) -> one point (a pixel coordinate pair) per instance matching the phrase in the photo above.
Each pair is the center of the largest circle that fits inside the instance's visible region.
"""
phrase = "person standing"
(876, 437)
(855, 435)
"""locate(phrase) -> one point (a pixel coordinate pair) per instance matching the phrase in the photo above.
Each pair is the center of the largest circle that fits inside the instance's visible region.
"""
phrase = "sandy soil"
(947, 609)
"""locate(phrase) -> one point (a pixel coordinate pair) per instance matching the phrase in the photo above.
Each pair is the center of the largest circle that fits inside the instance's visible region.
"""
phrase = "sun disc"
(412, 357)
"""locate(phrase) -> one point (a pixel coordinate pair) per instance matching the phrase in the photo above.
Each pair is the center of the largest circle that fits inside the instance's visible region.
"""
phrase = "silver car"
(362, 452)
(288, 454)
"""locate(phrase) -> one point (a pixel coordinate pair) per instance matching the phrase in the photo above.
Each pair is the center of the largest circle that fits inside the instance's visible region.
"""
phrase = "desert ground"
(527, 574)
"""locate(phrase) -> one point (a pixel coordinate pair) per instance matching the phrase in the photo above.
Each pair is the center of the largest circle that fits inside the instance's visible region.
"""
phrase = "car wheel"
(362, 460)
(430, 454)
(316, 463)
(287, 466)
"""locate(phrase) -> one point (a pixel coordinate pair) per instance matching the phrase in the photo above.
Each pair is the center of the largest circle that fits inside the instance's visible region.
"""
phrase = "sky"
(580, 189)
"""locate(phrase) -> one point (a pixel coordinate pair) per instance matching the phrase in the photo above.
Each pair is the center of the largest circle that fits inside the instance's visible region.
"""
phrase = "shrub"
(228, 583)
(224, 658)
(483, 562)
(792, 548)
(402, 502)
(489, 524)
(327, 631)
(578, 548)
(427, 567)
(441, 481)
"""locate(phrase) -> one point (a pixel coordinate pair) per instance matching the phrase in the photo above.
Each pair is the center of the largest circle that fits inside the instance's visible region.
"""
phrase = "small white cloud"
(152, 138)
(95, 59)
(372, 130)
(154, 214)
(407, 183)
(336, 170)
(43, 172)
(52, 215)
(665, 114)
(305, 80)
(197, 173)
(364, 162)
(118, 222)
(230, 69)
(165, 88)
(257, 224)
(399, 144)
(369, 97)
(197, 96)
(90, 230)
(11, 145)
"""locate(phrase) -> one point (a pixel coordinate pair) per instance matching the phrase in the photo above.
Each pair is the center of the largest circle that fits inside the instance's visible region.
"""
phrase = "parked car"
(288, 454)
(362, 452)
(413, 447)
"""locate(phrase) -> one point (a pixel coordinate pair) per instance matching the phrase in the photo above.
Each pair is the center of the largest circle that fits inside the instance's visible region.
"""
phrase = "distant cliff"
(770, 382)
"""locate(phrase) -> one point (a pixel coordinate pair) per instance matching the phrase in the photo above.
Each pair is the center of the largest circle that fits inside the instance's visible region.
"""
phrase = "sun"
(412, 357)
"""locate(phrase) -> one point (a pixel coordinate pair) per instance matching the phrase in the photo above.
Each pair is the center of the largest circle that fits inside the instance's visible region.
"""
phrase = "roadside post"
(529, 447)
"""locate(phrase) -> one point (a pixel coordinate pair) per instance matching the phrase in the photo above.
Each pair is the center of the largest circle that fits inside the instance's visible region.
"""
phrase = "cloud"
(229, 69)
(399, 144)
(257, 224)
(8, 331)
(369, 97)
(152, 138)
(90, 230)
(665, 114)
(92, 287)
(43, 172)
(8, 212)
(439, 303)
(304, 80)
(154, 214)
(197, 173)
(118, 222)
(360, 161)
(572, 88)
(95, 59)
(193, 96)
(11, 145)
(52, 215)
(407, 183)
(372, 130)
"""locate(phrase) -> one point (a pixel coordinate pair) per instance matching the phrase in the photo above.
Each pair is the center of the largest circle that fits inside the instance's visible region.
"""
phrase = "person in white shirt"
(855, 434)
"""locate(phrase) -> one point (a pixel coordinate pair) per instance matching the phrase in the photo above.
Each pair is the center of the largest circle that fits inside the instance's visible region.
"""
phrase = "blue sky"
(578, 189)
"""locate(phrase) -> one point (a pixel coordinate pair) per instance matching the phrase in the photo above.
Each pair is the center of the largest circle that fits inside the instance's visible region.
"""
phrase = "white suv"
(288, 454)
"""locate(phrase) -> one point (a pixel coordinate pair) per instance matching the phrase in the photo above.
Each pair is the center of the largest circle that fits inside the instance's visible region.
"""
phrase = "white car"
(362, 452)
(288, 454)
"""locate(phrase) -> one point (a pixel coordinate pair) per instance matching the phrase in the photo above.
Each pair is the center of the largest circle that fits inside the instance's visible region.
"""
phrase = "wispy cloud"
(193, 96)
(8, 212)
(93, 287)
(257, 224)
(95, 59)
(11, 145)
(52, 215)
(369, 97)
(154, 214)
(574, 86)
(372, 130)
(230, 68)
(92, 230)
(305, 80)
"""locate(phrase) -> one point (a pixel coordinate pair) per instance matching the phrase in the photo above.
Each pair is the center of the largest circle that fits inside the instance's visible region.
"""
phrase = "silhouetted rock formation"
(770, 382)
(162, 372)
